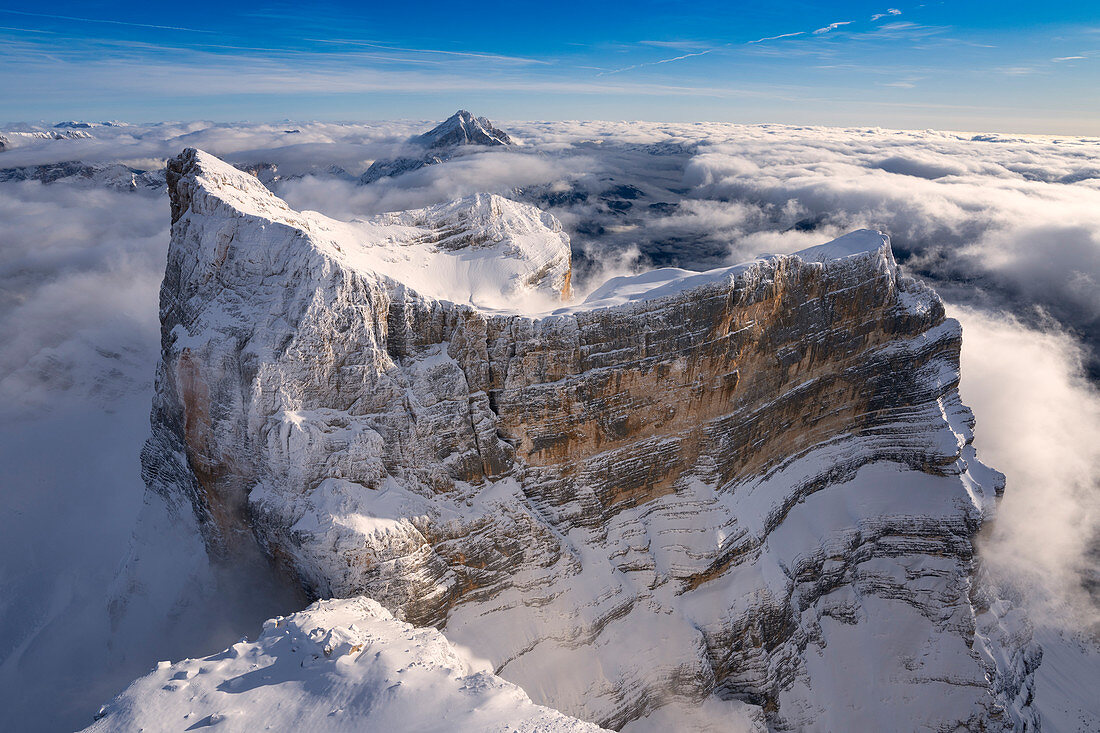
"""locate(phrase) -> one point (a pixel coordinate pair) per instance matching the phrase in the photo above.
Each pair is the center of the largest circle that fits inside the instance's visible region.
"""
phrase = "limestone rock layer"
(747, 494)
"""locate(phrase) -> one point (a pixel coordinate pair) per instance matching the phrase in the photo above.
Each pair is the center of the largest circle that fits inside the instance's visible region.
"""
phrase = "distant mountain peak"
(441, 142)
(462, 128)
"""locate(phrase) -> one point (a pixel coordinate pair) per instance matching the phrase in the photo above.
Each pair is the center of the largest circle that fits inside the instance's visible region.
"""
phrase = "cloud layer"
(1039, 423)
(1006, 228)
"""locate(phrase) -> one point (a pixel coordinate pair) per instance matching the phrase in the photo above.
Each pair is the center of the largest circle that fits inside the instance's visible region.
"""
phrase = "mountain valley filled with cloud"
(1005, 227)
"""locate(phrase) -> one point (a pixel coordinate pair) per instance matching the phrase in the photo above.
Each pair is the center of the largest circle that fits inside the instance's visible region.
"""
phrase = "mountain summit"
(741, 498)
(439, 145)
(462, 128)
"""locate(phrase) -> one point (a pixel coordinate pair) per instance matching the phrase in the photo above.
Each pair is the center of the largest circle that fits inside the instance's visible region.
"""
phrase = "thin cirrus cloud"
(59, 65)
(888, 13)
(781, 35)
(832, 27)
(818, 32)
(460, 54)
(105, 21)
(655, 63)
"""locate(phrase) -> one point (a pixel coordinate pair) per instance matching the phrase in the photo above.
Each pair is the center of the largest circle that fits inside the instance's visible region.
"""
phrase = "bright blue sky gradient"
(1023, 67)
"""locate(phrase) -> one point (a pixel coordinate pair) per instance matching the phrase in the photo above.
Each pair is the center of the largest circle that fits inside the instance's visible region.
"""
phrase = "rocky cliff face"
(742, 495)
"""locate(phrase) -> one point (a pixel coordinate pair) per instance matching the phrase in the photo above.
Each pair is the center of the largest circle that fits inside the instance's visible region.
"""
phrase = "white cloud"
(79, 273)
(998, 223)
(105, 21)
(1038, 421)
(654, 63)
(888, 13)
(1020, 215)
(781, 35)
(832, 26)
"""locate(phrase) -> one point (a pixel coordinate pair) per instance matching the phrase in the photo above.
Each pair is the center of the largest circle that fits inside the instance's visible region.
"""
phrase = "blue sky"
(1005, 66)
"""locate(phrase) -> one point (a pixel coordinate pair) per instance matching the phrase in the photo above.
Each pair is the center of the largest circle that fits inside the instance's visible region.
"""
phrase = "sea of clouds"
(1006, 228)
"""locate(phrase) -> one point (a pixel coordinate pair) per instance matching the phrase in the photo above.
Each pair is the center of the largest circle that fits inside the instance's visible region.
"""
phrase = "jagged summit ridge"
(462, 128)
(483, 249)
(707, 493)
(458, 133)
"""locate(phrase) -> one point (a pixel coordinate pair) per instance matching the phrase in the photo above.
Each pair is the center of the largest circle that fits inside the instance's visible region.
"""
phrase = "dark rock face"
(729, 491)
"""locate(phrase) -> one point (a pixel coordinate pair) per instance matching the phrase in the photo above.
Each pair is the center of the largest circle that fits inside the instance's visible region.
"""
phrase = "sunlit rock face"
(745, 497)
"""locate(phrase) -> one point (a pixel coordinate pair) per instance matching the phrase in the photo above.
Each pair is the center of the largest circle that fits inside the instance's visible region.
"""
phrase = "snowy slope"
(65, 506)
(669, 281)
(755, 484)
(483, 249)
(462, 128)
(343, 665)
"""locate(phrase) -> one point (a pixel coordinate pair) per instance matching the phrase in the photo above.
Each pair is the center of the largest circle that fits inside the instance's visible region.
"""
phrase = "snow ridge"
(339, 665)
(737, 498)
(462, 128)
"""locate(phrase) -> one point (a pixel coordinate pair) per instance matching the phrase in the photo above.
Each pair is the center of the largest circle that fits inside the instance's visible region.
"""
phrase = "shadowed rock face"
(759, 487)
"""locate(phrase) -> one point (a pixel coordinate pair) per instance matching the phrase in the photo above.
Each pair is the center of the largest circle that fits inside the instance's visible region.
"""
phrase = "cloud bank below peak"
(1006, 227)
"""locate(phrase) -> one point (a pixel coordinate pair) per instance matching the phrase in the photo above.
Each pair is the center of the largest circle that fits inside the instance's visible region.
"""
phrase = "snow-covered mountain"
(84, 125)
(739, 498)
(462, 128)
(339, 665)
(439, 144)
(11, 139)
(112, 175)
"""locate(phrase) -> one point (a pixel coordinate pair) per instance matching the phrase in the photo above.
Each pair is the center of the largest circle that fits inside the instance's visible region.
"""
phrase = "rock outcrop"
(439, 144)
(747, 493)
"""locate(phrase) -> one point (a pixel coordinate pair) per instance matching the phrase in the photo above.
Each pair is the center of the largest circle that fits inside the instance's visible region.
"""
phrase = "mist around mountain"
(1006, 228)
(458, 134)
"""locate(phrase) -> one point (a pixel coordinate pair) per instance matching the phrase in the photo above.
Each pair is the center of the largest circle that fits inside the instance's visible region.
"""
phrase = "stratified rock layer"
(753, 484)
